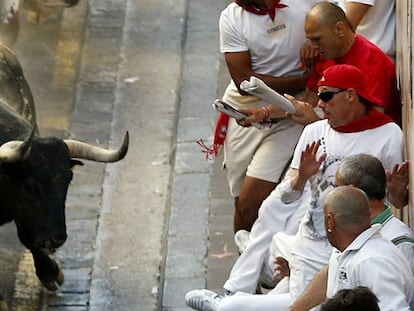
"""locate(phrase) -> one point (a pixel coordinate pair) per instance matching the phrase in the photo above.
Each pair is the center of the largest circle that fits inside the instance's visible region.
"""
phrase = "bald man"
(365, 172)
(331, 34)
(329, 30)
(361, 256)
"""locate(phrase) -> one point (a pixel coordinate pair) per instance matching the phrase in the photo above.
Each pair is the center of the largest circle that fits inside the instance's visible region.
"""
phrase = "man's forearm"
(283, 85)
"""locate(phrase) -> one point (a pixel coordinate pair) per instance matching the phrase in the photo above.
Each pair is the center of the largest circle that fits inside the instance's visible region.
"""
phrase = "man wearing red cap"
(328, 29)
(351, 126)
(330, 32)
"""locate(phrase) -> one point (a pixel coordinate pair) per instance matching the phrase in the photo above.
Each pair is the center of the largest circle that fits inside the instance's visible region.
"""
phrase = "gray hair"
(365, 172)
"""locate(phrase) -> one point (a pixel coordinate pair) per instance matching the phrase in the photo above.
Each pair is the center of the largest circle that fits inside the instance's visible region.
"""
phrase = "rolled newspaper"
(258, 88)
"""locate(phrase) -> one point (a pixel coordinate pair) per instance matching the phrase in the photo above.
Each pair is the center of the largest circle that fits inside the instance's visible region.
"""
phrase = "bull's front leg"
(47, 270)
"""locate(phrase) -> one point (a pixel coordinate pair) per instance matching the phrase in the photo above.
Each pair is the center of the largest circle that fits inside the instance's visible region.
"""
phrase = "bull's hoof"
(3, 306)
(53, 285)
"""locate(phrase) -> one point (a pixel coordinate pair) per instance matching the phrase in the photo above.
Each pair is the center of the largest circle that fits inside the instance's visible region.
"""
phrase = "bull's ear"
(75, 162)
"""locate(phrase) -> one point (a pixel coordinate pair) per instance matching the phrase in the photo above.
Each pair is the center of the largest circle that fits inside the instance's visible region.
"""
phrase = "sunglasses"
(328, 95)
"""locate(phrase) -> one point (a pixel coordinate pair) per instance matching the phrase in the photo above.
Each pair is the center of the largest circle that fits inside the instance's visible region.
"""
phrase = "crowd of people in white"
(326, 224)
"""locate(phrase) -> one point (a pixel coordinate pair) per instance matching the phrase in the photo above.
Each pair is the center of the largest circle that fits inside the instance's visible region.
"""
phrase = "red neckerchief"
(372, 120)
(219, 137)
(272, 11)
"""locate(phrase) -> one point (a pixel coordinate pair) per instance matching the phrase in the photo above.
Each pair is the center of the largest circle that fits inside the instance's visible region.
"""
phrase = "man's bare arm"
(309, 166)
(397, 184)
(355, 12)
(305, 112)
(240, 69)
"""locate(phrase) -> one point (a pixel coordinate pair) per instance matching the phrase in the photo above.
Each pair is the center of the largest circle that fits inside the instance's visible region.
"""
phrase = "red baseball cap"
(345, 77)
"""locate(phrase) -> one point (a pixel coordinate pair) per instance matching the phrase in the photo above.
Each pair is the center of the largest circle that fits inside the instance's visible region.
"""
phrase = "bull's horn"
(16, 150)
(86, 151)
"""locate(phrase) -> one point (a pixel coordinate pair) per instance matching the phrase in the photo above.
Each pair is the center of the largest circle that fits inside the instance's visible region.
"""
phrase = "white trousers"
(250, 302)
(274, 216)
(306, 257)
(275, 300)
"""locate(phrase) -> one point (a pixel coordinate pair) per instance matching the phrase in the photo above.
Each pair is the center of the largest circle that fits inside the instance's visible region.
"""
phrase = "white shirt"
(384, 142)
(398, 233)
(374, 262)
(378, 24)
(274, 46)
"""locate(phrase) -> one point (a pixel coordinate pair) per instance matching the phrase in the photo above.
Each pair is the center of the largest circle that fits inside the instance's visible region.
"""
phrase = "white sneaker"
(242, 238)
(228, 293)
(203, 300)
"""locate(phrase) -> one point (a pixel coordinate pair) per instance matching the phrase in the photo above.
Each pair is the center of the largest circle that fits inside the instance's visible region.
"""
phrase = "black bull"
(35, 172)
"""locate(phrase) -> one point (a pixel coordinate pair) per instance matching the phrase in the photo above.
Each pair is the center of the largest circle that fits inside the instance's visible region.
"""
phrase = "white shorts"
(262, 154)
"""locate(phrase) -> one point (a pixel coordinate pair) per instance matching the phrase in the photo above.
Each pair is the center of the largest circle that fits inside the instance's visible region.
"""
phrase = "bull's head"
(36, 174)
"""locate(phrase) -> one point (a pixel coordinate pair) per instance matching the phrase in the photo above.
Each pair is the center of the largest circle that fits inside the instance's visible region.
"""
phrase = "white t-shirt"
(384, 142)
(378, 24)
(398, 233)
(372, 261)
(274, 46)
